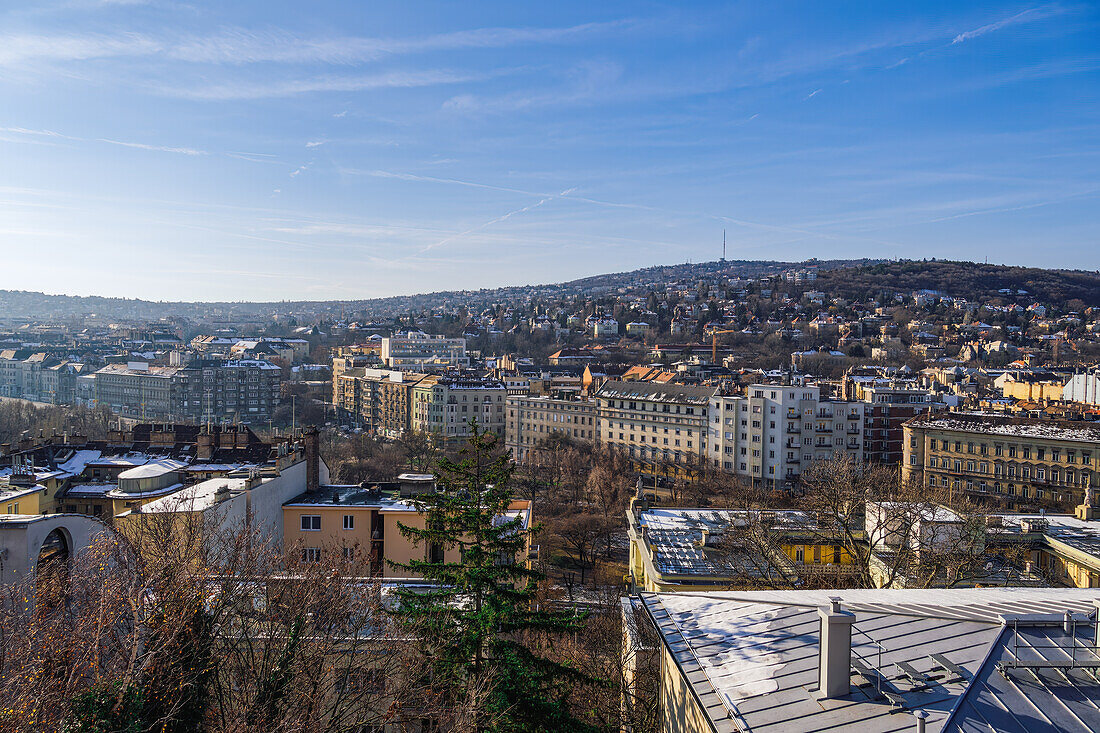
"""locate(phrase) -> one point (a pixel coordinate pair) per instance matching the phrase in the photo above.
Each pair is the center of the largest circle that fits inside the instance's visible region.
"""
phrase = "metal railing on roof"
(1080, 654)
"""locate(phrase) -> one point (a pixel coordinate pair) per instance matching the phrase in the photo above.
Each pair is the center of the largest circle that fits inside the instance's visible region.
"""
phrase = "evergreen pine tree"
(481, 600)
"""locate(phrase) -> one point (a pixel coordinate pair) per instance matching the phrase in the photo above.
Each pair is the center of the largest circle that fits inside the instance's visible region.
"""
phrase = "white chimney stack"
(834, 670)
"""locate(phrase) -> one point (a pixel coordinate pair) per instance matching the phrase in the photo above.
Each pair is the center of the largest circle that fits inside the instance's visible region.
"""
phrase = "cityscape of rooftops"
(657, 367)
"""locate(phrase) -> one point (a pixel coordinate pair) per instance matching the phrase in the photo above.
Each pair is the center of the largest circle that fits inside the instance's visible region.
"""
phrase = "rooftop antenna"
(723, 245)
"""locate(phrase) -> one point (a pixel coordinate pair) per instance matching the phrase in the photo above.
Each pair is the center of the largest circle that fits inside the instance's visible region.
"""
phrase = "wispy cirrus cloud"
(239, 46)
(124, 143)
(357, 83)
(497, 220)
(1025, 16)
(155, 148)
(16, 49)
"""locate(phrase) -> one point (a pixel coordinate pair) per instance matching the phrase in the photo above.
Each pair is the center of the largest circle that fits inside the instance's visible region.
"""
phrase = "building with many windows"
(1021, 460)
(888, 403)
(208, 390)
(444, 406)
(418, 351)
(532, 419)
(360, 525)
(654, 422)
(377, 400)
(773, 432)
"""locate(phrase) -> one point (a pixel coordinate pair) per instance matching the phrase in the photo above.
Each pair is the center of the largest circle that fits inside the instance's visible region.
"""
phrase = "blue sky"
(265, 150)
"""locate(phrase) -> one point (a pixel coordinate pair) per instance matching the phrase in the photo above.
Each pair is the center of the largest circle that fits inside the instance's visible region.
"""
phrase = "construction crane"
(714, 343)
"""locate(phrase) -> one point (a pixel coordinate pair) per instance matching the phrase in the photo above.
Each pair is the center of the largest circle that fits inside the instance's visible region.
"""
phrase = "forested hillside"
(970, 280)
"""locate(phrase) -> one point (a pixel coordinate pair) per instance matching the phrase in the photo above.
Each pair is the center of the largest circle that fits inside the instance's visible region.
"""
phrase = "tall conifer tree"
(482, 600)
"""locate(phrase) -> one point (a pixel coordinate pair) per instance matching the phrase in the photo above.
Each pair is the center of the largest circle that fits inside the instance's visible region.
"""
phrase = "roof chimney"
(834, 668)
(313, 463)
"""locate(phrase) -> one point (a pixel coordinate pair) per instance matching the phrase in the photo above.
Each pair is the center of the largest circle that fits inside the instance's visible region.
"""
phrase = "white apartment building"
(418, 351)
(1083, 388)
(774, 432)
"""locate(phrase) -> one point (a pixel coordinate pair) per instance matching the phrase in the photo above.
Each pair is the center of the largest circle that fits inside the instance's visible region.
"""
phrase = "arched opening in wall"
(55, 550)
(51, 574)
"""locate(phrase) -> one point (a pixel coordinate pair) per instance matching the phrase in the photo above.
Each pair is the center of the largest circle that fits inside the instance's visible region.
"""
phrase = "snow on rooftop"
(152, 469)
(79, 460)
(195, 498)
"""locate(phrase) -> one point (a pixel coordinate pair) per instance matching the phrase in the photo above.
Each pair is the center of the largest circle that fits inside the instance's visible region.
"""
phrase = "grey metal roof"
(1036, 678)
(751, 657)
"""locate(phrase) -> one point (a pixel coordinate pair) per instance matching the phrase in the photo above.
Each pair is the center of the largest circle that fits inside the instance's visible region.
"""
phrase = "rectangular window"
(349, 521)
(311, 554)
(311, 523)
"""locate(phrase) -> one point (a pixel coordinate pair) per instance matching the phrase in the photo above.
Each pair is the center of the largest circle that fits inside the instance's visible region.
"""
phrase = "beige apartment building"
(361, 526)
(654, 422)
(532, 420)
(1022, 460)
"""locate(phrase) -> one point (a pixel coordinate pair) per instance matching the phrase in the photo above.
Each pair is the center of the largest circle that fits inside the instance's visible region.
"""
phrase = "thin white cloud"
(286, 88)
(497, 220)
(813, 94)
(241, 46)
(155, 148)
(124, 143)
(1025, 16)
(255, 157)
(237, 46)
(37, 133)
(315, 143)
(20, 49)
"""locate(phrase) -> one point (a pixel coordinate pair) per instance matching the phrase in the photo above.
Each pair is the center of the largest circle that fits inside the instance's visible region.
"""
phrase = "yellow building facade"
(1019, 459)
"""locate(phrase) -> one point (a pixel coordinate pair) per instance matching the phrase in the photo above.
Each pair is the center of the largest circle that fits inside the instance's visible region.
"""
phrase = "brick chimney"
(204, 449)
(311, 441)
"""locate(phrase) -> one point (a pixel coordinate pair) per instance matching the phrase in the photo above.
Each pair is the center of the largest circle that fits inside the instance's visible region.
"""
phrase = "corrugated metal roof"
(751, 658)
(1038, 698)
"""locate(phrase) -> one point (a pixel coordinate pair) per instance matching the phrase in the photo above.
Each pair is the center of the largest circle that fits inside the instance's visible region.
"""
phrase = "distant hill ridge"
(854, 279)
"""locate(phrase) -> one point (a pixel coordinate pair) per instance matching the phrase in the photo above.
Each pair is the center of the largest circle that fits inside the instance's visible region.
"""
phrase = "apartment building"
(237, 390)
(418, 351)
(773, 432)
(1021, 460)
(360, 526)
(532, 420)
(379, 401)
(139, 390)
(37, 376)
(697, 549)
(654, 422)
(444, 405)
(71, 474)
(888, 403)
(240, 390)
